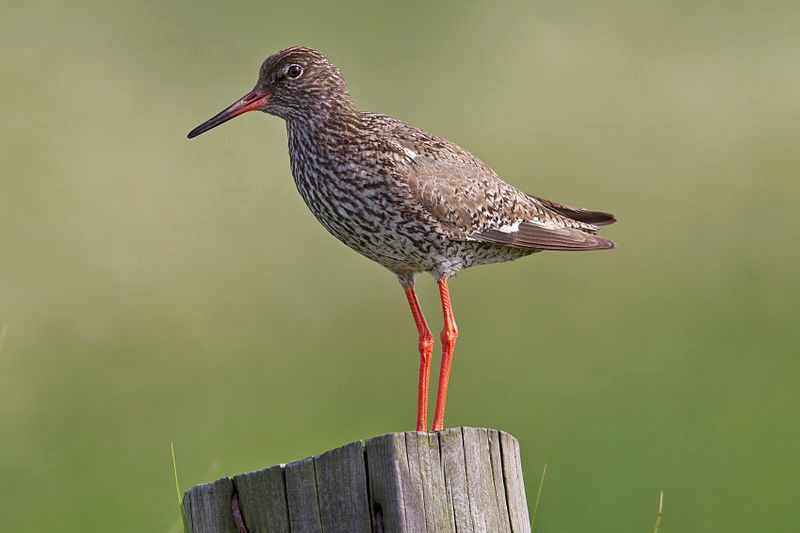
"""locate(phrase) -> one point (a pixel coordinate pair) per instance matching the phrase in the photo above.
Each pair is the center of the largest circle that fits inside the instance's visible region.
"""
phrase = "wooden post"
(460, 479)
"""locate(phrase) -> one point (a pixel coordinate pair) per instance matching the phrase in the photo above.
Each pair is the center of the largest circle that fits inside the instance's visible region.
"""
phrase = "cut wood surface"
(457, 480)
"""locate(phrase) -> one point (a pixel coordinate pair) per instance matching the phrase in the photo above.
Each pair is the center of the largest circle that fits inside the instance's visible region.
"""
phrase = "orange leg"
(449, 336)
(425, 350)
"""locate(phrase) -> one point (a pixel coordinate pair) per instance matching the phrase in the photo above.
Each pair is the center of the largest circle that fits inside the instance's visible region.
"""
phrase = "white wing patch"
(410, 153)
(513, 228)
(510, 228)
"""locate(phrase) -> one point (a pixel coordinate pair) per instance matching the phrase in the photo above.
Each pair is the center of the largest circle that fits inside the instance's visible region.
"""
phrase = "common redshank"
(406, 199)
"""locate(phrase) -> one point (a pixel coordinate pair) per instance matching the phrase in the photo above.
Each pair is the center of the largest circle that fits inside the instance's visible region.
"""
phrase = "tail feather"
(598, 218)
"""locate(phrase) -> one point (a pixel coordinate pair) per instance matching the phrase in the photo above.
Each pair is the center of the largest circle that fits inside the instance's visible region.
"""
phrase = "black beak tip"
(249, 102)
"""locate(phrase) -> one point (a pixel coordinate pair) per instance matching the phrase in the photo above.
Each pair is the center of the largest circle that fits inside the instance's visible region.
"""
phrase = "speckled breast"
(361, 210)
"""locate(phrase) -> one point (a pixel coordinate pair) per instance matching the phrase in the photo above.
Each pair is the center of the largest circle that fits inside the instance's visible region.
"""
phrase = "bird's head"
(296, 83)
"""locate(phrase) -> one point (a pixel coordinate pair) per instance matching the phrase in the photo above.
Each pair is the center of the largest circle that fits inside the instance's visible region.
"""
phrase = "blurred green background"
(155, 289)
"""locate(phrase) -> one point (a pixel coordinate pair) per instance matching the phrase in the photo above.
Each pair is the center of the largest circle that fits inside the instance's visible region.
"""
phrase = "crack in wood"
(238, 521)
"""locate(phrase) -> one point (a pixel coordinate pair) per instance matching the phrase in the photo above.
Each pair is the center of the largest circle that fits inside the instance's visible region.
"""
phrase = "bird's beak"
(255, 99)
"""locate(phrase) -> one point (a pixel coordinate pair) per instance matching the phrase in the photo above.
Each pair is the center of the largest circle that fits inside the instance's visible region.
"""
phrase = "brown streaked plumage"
(406, 199)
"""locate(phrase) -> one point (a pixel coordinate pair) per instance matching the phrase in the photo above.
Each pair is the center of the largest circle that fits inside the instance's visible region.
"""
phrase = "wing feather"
(543, 237)
(472, 203)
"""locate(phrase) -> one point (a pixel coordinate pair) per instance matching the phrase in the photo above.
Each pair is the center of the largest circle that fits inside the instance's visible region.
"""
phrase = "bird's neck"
(319, 153)
(325, 130)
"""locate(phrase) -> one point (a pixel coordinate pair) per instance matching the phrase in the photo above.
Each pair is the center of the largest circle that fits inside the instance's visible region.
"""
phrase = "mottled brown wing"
(467, 197)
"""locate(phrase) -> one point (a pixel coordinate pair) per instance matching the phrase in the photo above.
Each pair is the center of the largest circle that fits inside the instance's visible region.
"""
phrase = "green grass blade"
(660, 511)
(178, 489)
(538, 496)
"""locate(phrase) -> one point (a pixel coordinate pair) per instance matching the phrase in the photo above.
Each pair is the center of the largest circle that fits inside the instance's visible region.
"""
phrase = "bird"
(404, 198)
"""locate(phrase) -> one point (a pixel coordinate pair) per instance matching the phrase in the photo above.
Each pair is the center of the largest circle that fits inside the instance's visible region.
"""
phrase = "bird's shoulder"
(417, 143)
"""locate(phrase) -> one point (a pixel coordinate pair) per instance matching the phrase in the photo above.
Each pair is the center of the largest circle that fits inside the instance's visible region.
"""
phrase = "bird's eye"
(294, 71)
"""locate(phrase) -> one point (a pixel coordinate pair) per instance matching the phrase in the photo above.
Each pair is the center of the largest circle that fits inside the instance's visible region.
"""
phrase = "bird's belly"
(374, 224)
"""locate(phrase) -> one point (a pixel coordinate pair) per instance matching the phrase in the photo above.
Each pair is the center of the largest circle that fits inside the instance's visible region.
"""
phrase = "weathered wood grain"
(262, 499)
(396, 503)
(425, 469)
(208, 507)
(515, 486)
(302, 497)
(342, 489)
(496, 458)
(455, 476)
(457, 480)
(486, 516)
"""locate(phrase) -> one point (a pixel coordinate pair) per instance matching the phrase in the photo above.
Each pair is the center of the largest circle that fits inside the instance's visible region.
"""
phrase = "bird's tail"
(598, 218)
